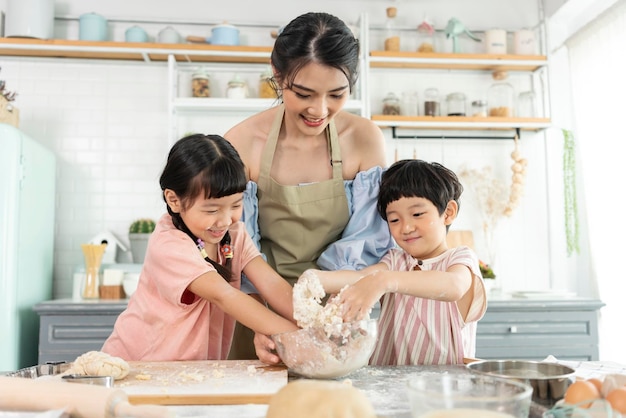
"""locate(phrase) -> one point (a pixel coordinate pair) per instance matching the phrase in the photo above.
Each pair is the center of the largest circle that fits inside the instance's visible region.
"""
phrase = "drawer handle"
(513, 330)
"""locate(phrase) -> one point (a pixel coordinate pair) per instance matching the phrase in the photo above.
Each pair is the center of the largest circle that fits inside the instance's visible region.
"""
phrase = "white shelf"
(461, 122)
(233, 105)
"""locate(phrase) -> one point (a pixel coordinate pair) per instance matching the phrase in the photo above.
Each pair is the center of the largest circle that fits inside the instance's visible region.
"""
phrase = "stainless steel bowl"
(328, 352)
(548, 380)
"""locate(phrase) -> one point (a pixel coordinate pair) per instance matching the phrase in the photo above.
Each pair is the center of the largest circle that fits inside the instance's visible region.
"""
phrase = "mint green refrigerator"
(27, 202)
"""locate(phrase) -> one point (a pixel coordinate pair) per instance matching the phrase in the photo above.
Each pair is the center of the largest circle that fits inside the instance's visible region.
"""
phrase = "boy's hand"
(359, 298)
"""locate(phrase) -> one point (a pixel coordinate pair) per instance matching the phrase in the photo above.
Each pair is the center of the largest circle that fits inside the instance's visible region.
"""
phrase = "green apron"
(297, 223)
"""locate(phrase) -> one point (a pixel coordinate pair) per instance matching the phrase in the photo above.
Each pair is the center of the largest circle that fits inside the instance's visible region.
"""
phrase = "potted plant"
(138, 235)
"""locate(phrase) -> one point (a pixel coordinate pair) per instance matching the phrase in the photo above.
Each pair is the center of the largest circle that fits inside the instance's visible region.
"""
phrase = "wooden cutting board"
(212, 382)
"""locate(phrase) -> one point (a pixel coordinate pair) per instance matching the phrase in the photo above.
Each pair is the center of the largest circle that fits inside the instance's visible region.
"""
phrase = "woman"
(313, 167)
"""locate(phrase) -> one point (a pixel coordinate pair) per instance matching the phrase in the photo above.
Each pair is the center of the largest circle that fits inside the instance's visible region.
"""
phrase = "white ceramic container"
(30, 18)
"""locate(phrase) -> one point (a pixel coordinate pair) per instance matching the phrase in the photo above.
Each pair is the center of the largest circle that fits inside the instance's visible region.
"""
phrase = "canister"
(409, 103)
(30, 18)
(266, 85)
(524, 42)
(495, 41)
(431, 102)
(200, 84)
(526, 105)
(456, 104)
(169, 35)
(391, 104)
(136, 34)
(92, 27)
(501, 96)
(237, 88)
(479, 108)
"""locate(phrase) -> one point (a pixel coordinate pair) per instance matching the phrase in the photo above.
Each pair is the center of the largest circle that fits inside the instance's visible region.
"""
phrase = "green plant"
(142, 226)
(486, 270)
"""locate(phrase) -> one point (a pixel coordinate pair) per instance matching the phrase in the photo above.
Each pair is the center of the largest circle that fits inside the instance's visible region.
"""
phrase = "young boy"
(431, 296)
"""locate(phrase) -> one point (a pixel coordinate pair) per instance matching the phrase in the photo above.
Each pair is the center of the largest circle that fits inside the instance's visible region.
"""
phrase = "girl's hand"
(358, 299)
(265, 349)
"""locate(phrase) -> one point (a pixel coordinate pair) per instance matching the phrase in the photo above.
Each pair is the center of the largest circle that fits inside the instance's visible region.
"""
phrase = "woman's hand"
(358, 299)
(265, 349)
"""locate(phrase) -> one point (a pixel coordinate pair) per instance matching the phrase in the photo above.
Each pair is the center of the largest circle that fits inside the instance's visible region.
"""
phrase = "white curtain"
(597, 56)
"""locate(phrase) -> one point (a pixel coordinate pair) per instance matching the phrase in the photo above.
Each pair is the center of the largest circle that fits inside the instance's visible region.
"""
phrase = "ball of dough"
(97, 363)
(320, 399)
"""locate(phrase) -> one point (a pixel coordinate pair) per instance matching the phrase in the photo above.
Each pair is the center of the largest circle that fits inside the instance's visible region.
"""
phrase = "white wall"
(107, 123)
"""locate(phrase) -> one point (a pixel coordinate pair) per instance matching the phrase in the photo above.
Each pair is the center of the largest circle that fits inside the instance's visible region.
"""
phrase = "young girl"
(431, 296)
(188, 296)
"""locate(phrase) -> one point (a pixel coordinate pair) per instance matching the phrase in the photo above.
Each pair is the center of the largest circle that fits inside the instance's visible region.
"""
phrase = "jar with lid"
(456, 104)
(237, 88)
(479, 108)
(266, 85)
(391, 104)
(409, 104)
(200, 84)
(501, 96)
(392, 37)
(431, 102)
(425, 36)
(526, 105)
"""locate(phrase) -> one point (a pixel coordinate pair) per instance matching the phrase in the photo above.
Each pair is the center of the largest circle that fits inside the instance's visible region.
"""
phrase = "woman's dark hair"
(315, 37)
(418, 178)
(203, 165)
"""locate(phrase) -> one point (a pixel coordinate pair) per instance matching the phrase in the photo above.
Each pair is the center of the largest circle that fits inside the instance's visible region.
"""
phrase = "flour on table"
(97, 363)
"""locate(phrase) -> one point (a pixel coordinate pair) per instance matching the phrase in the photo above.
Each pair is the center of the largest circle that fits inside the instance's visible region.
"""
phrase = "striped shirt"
(414, 330)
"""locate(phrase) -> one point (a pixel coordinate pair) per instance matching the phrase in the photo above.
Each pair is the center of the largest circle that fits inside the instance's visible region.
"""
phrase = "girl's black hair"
(207, 166)
(418, 178)
(315, 37)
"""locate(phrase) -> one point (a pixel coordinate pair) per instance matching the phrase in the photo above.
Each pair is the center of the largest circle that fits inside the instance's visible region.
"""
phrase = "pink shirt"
(416, 331)
(156, 325)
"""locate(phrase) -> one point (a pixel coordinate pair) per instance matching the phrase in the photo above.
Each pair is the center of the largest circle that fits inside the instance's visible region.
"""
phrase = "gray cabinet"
(68, 328)
(535, 329)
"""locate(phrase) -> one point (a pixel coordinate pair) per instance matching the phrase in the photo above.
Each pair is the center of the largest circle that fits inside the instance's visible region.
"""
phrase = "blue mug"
(92, 27)
(135, 34)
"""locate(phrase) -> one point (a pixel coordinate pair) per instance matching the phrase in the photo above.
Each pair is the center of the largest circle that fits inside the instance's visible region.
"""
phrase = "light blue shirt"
(364, 240)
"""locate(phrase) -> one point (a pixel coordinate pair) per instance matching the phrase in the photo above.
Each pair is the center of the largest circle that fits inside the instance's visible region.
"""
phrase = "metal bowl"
(328, 352)
(548, 380)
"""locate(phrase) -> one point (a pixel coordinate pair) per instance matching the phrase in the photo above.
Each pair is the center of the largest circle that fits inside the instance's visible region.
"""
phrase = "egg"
(617, 399)
(597, 383)
(580, 391)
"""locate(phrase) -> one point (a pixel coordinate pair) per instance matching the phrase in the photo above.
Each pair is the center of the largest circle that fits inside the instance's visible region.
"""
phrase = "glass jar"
(479, 108)
(237, 88)
(425, 37)
(409, 105)
(431, 102)
(266, 85)
(526, 105)
(456, 104)
(501, 99)
(391, 104)
(392, 37)
(200, 84)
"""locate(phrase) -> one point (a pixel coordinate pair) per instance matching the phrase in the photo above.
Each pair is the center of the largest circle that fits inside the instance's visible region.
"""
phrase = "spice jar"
(200, 84)
(501, 96)
(266, 86)
(456, 104)
(431, 102)
(237, 88)
(425, 36)
(479, 108)
(391, 104)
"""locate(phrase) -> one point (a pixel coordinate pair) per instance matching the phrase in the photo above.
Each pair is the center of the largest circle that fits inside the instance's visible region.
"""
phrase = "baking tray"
(33, 372)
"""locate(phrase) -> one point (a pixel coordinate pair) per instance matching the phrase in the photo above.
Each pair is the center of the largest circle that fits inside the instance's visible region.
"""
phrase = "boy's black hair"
(418, 178)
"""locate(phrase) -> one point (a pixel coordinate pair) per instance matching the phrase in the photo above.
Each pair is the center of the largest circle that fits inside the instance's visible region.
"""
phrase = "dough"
(97, 363)
(320, 399)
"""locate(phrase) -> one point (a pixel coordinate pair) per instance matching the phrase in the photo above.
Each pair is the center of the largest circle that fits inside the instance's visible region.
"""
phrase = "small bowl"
(130, 283)
(548, 380)
(467, 395)
(328, 352)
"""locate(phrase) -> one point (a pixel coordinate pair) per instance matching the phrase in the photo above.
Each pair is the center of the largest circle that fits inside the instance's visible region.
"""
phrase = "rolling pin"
(79, 400)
